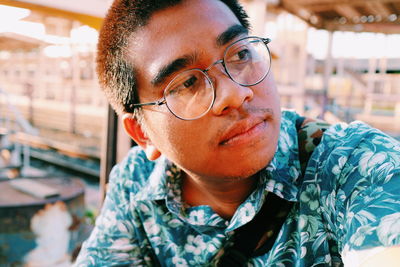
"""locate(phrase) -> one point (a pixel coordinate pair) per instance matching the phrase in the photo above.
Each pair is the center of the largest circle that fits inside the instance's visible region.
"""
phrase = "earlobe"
(152, 152)
(135, 131)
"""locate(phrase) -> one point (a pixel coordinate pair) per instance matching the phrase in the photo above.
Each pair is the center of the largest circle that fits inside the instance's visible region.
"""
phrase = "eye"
(240, 55)
(184, 85)
(190, 82)
(243, 54)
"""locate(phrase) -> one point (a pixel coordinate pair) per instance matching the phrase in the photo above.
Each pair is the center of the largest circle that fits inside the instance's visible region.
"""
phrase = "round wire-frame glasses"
(191, 93)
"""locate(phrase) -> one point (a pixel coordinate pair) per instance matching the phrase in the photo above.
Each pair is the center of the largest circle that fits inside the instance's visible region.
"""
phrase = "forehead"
(187, 28)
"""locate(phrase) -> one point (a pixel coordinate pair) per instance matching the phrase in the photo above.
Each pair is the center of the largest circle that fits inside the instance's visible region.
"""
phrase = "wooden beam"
(341, 2)
(321, 5)
(387, 28)
(378, 8)
(347, 11)
(305, 14)
(346, 8)
(14, 41)
(89, 20)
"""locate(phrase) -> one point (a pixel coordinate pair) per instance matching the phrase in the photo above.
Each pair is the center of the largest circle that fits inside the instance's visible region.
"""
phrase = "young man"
(196, 93)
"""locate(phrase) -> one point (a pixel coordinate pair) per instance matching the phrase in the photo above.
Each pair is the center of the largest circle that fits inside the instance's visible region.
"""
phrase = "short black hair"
(117, 76)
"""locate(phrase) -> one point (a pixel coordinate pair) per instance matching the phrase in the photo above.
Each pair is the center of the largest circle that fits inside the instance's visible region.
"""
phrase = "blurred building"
(52, 83)
(339, 86)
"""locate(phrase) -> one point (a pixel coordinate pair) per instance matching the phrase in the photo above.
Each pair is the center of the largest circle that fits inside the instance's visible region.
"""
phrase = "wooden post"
(75, 83)
(299, 99)
(40, 74)
(327, 75)
(108, 149)
(370, 87)
(386, 86)
(371, 75)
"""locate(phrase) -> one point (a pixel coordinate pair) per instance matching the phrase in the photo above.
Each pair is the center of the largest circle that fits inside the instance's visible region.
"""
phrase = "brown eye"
(190, 82)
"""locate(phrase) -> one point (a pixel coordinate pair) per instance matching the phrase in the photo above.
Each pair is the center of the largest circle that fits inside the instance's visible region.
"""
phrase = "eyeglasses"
(191, 93)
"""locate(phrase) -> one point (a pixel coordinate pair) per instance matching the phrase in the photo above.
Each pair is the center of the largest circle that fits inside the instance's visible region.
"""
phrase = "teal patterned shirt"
(348, 199)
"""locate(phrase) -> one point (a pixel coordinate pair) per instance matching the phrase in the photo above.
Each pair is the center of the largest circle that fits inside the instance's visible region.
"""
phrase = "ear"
(135, 131)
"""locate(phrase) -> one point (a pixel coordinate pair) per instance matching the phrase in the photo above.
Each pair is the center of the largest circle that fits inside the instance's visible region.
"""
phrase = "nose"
(229, 95)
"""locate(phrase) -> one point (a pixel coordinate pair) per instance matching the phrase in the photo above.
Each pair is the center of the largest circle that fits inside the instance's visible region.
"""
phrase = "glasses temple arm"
(157, 103)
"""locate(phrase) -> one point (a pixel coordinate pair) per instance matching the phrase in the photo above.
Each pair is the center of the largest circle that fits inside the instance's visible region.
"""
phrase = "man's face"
(238, 136)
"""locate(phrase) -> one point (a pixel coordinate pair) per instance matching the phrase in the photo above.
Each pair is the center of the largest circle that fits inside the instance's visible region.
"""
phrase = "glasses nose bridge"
(222, 68)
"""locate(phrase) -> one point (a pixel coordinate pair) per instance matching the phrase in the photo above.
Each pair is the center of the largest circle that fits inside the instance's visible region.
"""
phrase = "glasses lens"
(248, 61)
(189, 95)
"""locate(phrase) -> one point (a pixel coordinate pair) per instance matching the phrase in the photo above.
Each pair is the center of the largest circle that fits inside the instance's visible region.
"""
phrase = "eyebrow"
(172, 67)
(230, 34)
(180, 63)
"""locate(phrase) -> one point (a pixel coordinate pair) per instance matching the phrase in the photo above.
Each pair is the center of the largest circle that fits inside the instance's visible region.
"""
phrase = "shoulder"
(138, 176)
(357, 139)
(355, 172)
(356, 147)
(353, 159)
(289, 117)
(134, 168)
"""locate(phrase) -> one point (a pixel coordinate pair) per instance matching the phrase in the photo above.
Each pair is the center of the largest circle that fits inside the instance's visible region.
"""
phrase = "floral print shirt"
(346, 199)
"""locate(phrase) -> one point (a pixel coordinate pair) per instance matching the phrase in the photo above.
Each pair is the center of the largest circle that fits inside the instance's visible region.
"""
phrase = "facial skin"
(238, 136)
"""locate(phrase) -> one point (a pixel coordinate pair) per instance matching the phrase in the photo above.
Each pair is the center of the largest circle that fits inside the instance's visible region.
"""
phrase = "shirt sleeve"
(115, 239)
(364, 200)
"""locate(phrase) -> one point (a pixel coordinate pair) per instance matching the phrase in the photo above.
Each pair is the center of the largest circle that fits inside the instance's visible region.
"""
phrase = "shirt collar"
(155, 187)
(282, 174)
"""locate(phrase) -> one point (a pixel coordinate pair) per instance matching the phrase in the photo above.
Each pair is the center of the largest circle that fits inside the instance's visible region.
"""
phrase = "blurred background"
(334, 60)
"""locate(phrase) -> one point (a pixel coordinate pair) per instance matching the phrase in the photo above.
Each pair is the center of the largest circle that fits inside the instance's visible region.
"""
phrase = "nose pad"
(221, 70)
(229, 95)
(219, 66)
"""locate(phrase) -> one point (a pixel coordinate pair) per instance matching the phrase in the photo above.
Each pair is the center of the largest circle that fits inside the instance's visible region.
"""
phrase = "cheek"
(178, 140)
(268, 92)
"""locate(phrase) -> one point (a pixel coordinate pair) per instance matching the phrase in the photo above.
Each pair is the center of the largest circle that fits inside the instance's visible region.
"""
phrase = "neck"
(223, 197)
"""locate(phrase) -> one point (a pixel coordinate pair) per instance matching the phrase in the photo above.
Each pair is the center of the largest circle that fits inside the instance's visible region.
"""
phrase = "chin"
(247, 168)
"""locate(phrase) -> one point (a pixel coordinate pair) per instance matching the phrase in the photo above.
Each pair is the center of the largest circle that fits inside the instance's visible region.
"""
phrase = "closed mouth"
(242, 130)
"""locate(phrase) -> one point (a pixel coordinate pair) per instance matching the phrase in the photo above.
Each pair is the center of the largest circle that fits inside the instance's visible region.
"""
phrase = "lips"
(242, 130)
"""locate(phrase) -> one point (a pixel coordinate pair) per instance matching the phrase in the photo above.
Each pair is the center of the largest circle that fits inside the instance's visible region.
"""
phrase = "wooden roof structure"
(90, 12)
(381, 16)
(13, 41)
